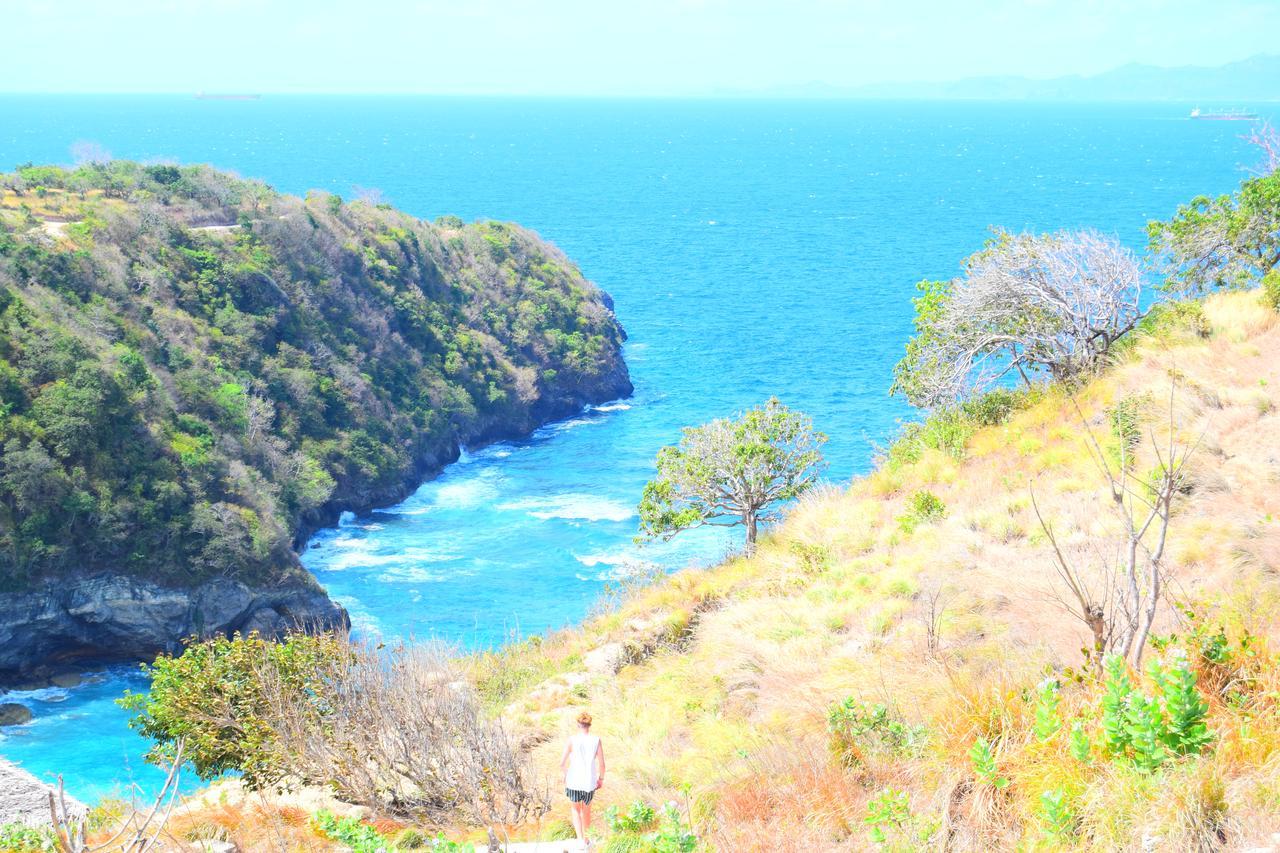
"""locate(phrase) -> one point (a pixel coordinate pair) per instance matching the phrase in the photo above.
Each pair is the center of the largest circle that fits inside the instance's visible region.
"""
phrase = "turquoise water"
(753, 248)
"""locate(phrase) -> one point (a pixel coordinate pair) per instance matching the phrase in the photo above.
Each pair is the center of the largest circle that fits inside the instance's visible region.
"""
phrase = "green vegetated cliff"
(196, 370)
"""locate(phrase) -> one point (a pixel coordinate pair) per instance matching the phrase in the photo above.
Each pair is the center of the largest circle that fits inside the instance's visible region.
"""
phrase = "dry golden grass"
(733, 706)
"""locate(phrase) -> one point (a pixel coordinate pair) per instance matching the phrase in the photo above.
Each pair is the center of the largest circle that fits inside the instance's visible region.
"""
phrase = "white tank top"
(581, 775)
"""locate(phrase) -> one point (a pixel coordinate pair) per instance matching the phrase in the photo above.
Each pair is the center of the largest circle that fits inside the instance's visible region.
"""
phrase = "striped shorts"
(579, 796)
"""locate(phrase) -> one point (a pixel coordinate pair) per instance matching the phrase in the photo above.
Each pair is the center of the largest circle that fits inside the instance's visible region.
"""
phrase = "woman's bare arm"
(600, 763)
(564, 759)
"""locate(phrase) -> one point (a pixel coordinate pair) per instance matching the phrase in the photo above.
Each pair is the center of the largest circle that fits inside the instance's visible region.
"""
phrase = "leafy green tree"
(1228, 241)
(729, 472)
(211, 697)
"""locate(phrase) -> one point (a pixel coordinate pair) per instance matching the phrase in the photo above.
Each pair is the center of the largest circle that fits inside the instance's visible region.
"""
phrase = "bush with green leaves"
(1229, 241)
(642, 829)
(923, 507)
(211, 698)
(1149, 730)
(891, 825)
(1047, 721)
(23, 838)
(359, 836)
(856, 729)
(948, 429)
(1057, 821)
(983, 758)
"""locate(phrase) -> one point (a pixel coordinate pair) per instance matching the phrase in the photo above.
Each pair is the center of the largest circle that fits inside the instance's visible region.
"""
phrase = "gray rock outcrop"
(114, 617)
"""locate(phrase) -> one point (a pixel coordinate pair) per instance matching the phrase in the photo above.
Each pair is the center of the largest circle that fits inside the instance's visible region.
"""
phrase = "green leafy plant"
(1047, 722)
(922, 507)
(893, 826)
(1056, 818)
(1080, 746)
(855, 727)
(21, 838)
(1115, 699)
(1185, 709)
(641, 827)
(354, 833)
(983, 758)
(639, 817)
(1149, 729)
(887, 813)
(224, 672)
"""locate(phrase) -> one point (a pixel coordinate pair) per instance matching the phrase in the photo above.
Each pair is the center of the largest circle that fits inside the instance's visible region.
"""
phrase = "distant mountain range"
(1236, 83)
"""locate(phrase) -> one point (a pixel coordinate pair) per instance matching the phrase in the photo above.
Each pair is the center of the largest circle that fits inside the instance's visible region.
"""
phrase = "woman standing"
(583, 766)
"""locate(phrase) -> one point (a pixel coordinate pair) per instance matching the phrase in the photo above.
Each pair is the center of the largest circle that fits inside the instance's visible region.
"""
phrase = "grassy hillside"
(752, 688)
(195, 370)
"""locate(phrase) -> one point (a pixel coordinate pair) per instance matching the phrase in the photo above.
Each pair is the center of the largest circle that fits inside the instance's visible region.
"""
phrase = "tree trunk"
(749, 519)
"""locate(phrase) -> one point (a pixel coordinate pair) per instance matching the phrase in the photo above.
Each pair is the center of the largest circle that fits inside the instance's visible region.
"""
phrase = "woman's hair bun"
(584, 719)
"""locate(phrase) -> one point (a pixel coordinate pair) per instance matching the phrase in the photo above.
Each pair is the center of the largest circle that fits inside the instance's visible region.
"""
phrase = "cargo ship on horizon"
(1223, 115)
(216, 96)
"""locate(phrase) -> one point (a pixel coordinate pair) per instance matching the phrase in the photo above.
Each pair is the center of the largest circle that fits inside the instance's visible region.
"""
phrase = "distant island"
(1252, 80)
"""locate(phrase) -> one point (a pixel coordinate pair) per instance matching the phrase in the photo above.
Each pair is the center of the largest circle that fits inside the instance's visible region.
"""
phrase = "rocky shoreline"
(25, 799)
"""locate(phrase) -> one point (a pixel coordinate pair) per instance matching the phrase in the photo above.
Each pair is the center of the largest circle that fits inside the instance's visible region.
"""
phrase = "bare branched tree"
(401, 730)
(1115, 585)
(1053, 303)
(141, 829)
(931, 604)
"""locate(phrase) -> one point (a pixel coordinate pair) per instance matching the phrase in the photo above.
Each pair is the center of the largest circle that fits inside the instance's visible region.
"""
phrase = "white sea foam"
(614, 566)
(346, 519)
(42, 694)
(573, 506)
(410, 574)
(613, 407)
(360, 560)
(464, 494)
(565, 426)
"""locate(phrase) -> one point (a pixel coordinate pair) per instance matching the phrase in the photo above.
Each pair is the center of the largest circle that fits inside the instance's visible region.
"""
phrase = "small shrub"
(983, 759)
(410, 839)
(856, 727)
(21, 838)
(1080, 747)
(923, 507)
(354, 833)
(1148, 730)
(1047, 721)
(642, 828)
(640, 817)
(1056, 819)
(891, 823)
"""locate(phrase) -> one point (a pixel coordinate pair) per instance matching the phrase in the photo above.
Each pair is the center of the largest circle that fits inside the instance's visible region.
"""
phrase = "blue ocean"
(753, 248)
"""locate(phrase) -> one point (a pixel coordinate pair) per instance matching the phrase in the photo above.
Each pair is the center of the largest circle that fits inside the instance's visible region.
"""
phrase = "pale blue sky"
(597, 47)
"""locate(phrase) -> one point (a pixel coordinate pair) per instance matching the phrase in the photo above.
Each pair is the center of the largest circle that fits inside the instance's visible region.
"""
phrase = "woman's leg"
(585, 819)
(576, 812)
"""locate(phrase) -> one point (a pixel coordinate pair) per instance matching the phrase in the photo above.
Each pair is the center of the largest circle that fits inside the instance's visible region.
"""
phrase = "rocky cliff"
(196, 372)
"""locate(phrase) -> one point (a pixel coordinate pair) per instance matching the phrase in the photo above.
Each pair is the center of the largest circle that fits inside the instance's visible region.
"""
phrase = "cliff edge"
(196, 372)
